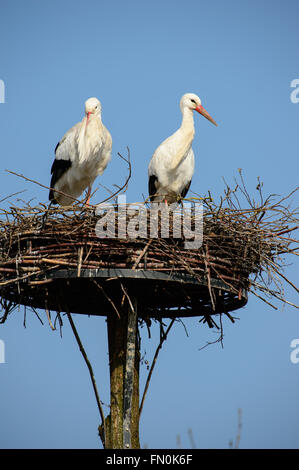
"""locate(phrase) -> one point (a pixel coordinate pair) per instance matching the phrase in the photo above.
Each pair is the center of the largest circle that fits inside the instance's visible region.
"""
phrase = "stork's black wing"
(185, 190)
(152, 190)
(56, 147)
(59, 167)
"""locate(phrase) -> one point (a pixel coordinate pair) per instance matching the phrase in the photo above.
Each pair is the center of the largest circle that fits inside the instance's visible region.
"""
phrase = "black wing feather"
(59, 167)
(185, 190)
(152, 190)
(56, 147)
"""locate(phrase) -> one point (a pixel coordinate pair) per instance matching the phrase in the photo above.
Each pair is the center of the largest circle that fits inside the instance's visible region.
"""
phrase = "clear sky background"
(138, 58)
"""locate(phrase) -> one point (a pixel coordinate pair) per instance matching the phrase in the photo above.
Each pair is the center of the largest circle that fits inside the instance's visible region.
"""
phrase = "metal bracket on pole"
(129, 374)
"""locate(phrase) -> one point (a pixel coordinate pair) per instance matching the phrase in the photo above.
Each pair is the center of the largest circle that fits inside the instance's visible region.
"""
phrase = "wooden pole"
(122, 425)
(129, 375)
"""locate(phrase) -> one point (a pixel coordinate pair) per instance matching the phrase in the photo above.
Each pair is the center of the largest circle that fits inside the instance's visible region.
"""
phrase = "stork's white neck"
(184, 137)
(187, 120)
(89, 138)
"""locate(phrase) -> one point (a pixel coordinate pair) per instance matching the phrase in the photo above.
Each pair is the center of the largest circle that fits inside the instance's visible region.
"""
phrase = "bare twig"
(42, 185)
(123, 187)
(162, 339)
(91, 373)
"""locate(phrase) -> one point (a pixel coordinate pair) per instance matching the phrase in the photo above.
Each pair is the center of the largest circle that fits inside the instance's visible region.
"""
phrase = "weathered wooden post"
(122, 425)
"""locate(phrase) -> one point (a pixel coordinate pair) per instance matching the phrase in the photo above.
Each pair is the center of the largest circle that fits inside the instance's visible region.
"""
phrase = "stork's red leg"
(88, 195)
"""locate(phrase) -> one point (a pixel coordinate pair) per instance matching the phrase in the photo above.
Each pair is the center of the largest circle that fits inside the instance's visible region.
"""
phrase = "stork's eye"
(193, 101)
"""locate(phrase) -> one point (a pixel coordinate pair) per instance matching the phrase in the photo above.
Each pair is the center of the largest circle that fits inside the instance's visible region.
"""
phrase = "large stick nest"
(54, 259)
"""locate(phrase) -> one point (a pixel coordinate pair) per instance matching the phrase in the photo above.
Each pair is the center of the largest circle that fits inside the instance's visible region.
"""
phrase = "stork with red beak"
(81, 155)
(172, 165)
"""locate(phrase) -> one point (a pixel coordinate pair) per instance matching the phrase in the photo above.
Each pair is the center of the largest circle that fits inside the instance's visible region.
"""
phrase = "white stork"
(81, 155)
(171, 168)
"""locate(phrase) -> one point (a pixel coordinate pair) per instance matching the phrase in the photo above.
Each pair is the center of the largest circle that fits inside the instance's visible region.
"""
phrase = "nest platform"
(59, 263)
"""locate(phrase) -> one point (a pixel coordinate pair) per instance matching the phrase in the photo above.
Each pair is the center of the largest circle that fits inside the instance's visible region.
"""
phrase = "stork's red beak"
(200, 109)
(88, 114)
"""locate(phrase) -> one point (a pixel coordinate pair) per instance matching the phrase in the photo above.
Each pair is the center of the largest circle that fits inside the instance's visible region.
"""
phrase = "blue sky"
(138, 58)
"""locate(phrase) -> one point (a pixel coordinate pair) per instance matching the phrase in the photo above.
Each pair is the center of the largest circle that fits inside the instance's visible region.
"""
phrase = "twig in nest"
(11, 195)
(142, 254)
(220, 337)
(127, 296)
(80, 256)
(58, 317)
(49, 319)
(36, 313)
(94, 385)
(125, 185)
(208, 271)
(107, 297)
(162, 339)
(43, 185)
(8, 306)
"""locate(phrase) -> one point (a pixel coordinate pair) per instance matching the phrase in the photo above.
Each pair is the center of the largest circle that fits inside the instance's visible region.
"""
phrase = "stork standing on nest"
(172, 166)
(82, 154)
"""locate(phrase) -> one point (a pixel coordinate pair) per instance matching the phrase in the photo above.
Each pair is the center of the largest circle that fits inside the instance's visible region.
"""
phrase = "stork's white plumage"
(81, 155)
(172, 165)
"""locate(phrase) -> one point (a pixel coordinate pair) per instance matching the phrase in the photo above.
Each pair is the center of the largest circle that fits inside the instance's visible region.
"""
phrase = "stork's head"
(193, 102)
(92, 106)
